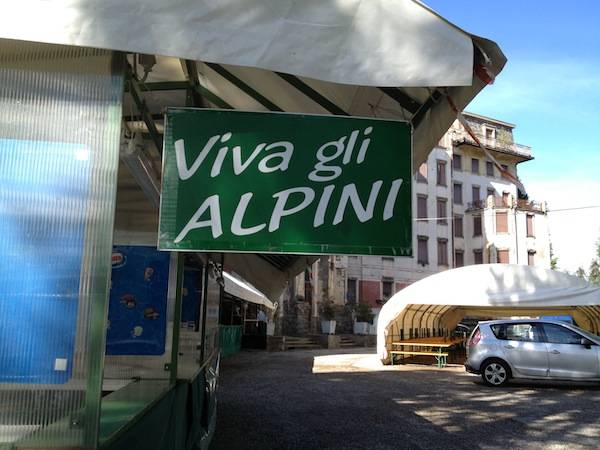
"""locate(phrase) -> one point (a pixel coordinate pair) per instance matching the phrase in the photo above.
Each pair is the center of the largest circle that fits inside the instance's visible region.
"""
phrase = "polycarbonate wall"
(60, 110)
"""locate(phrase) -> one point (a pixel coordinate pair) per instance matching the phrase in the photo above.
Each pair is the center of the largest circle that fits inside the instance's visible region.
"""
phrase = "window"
(501, 222)
(387, 262)
(422, 252)
(556, 334)
(422, 173)
(502, 257)
(441, 211)
(490, 133)
(531, 258)
(491, 191)
(478, 256)
(475, 193)
(387, 286)
(442, 248)
(475, 166)
(505, 168)
(307, 285)
(457, 162)
(505, 198)
(530, 225)
(525, 332)
(421, 206)
(459, 258)
(476, 225)
(457, 191)
(458, 226)
(441, 173)
(307, 275)
(489, 168)
(351, 291)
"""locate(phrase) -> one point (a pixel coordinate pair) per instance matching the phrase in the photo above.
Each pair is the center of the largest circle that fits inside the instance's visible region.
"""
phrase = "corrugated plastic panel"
(60, 113)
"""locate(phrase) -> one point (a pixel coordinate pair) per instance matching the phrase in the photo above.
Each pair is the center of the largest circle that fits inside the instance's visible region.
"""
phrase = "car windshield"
(587, 334)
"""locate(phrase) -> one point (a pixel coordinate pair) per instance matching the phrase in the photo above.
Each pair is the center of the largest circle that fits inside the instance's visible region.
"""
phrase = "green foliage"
(593, 274)
(328, 310)
(363, 313)
(553, 259)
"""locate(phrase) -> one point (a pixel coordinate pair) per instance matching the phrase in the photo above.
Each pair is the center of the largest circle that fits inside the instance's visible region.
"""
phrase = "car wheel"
(495, 373)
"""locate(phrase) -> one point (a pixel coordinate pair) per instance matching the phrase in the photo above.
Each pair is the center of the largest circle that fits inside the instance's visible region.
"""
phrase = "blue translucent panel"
(137, 314)
(43, 196)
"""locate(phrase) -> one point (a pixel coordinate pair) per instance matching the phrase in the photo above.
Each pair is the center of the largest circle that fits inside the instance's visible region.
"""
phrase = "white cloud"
(573, 232)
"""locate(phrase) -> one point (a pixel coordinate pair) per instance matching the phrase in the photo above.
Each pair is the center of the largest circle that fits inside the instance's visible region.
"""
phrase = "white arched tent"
(434, 305)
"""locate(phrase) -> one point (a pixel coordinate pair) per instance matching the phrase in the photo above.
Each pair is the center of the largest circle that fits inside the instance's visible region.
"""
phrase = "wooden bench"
(406, 352)
(426, 347)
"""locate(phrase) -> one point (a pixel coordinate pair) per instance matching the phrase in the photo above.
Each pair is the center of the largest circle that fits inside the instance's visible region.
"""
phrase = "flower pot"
(361, 327)
(328, 326)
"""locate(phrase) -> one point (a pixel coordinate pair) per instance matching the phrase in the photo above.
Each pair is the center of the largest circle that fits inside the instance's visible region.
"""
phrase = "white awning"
(238, 288)
(440, 301)
(368, 43)
(393, 59)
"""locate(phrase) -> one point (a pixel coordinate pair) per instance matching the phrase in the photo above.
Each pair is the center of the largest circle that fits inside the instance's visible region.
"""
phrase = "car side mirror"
(586, 343)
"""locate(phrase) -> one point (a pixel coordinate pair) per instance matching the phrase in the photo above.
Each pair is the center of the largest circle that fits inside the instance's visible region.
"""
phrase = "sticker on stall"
(138, 301)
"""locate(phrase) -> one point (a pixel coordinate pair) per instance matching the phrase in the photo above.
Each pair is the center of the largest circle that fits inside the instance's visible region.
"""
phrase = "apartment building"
(464, 212)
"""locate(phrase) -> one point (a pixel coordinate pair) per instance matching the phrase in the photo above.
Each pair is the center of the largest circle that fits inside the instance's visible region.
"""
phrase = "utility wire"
(428, 219)
(573, 209)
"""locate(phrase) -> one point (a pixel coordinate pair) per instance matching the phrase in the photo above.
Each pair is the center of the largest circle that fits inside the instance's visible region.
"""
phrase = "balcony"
(531, 205)
(506, 202)
(476, 205)
(498, 145)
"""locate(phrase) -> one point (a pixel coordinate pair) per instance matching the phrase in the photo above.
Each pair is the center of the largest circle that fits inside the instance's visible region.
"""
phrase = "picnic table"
(432, 346)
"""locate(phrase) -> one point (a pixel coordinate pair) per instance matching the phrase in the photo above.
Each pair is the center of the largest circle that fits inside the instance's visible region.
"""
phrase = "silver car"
(499, 350)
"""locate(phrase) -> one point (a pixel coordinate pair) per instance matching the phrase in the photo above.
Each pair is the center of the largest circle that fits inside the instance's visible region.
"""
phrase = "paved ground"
(343, 399)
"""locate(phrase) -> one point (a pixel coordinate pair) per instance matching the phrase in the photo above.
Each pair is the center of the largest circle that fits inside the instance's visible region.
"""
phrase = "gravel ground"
(315, 400)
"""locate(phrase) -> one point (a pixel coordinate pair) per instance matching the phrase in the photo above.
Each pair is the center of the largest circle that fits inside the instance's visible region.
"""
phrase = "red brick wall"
(400, 286)
(370, 292)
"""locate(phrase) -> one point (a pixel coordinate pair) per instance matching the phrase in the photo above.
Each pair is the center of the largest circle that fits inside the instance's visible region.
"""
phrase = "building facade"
(464, 212)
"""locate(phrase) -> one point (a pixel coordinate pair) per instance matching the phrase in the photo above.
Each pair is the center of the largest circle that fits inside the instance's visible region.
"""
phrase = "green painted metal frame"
(315, 96)
(243, 86)
(404, 100)
(135, 92)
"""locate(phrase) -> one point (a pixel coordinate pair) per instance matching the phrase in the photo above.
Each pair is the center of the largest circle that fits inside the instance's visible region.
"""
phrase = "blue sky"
(550, 88)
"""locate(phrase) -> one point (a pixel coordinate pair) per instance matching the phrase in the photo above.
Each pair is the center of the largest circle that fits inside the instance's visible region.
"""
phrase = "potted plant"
(328, 316)
(363, 318)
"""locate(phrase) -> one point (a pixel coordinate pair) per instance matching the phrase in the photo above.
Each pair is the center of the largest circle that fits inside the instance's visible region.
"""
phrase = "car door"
(567, 358)
(524, 350)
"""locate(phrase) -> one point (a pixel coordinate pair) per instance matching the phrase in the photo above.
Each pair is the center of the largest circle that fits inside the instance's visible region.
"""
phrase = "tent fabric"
(240, 289)
(371, 43)
(235, 54)
(488, 290)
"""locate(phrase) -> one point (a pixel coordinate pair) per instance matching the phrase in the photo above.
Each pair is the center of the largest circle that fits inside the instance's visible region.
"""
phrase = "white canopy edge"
(488, 285)
(243, 290)
(368, 43)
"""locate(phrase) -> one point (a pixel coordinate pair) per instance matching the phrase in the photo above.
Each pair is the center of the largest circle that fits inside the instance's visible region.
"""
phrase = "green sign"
(236, 181)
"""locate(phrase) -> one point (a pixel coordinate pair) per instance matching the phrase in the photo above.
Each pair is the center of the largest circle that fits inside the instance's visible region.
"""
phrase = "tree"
(553, 259)
(594, 272)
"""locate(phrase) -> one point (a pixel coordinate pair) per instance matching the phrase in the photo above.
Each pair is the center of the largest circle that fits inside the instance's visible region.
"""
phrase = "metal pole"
(176, 319)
